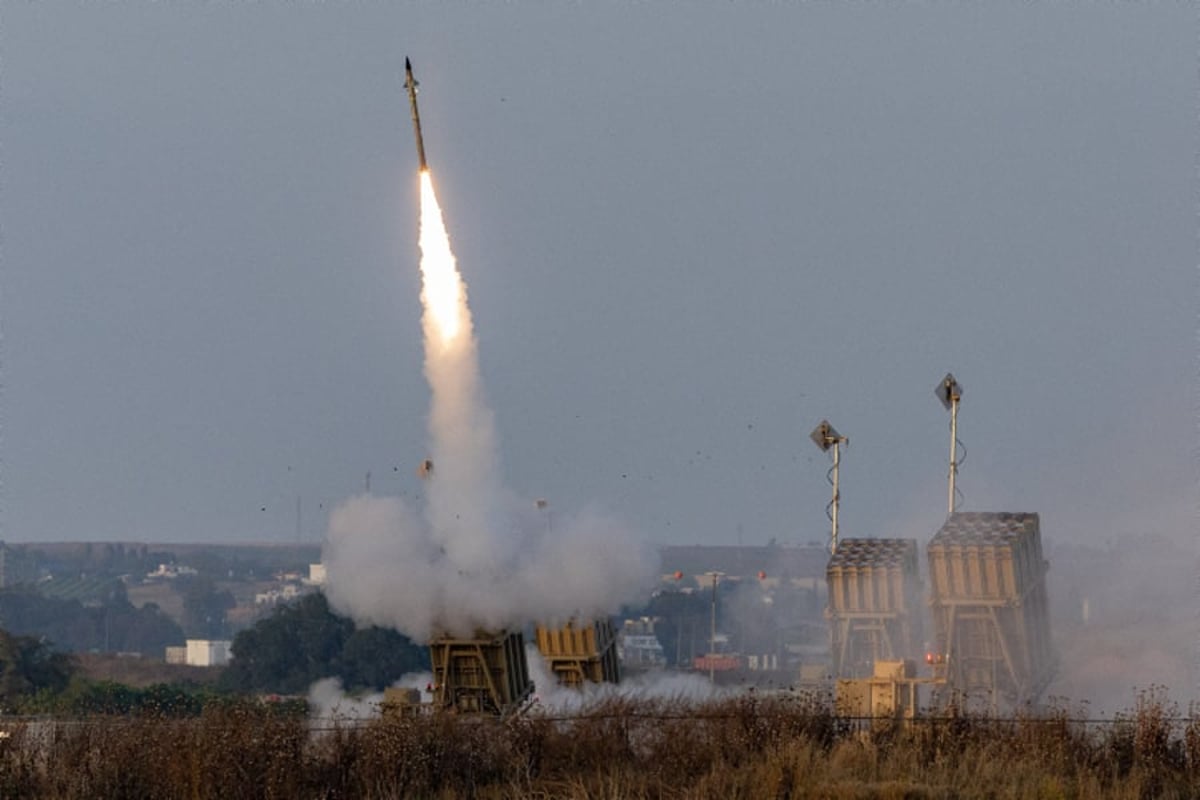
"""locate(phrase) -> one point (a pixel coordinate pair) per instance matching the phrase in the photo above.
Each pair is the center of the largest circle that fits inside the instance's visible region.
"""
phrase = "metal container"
(990, 608)
(874, 604)
(717, 662)
(484, 674)
(889, 694)
(402, 702)
(579, 652)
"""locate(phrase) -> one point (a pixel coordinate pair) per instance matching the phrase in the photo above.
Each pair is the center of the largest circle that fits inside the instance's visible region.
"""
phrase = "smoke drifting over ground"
(330, 705)
(472, 556)
(552, 698)
(1124, 620)
(327, 702)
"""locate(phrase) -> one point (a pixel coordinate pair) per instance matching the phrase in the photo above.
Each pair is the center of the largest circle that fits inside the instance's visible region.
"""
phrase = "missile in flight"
(410, 83)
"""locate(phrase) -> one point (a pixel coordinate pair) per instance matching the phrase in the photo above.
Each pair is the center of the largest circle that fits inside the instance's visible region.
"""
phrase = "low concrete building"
(208, 652)
(172, 571)
(638, 646)
(273, 597)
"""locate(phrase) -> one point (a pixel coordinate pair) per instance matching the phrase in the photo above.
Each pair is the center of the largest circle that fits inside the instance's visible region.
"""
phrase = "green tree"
(375, 657)
(29, 665)
(305, 641)
(298, 644)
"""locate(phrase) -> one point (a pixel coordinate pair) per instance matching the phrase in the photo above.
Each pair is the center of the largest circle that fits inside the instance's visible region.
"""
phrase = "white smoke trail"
(477, 557)
(464, 497)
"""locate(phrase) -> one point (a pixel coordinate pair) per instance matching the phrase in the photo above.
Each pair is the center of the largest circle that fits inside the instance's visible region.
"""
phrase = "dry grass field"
(142, 672)
(744, 748)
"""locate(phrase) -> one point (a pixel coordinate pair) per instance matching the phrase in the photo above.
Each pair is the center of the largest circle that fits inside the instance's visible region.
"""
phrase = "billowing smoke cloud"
(473, 556)
(387, 567)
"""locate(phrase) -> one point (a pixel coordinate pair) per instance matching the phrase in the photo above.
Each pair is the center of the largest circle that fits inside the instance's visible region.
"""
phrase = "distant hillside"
(136, 559)
(300, 554)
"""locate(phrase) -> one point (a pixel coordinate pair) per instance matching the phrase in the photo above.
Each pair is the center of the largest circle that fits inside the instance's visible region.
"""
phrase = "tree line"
(284, 653)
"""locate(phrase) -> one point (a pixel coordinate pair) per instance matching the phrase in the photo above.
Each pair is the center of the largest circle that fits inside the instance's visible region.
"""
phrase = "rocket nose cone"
(407, 64)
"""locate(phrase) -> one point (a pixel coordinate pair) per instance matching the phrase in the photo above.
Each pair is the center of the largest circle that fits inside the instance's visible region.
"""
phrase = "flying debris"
(425, 469)
(410, 83)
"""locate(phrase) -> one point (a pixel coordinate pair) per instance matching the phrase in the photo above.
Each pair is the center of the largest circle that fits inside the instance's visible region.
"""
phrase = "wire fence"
(335, 722)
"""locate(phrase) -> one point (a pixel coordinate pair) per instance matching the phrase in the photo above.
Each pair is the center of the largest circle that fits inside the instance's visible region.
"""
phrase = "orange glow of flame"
(443, 293)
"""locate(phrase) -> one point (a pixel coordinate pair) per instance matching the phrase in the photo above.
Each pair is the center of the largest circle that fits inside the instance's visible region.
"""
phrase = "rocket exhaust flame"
(443, 293)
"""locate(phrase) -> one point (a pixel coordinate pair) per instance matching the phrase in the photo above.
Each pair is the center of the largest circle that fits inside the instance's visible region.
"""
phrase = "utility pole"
(712, 640)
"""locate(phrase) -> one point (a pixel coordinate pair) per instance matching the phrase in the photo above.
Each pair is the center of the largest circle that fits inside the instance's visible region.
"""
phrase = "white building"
(316, 574)
(208, 652)
(171, 571)
(641, 650)
(273, 597)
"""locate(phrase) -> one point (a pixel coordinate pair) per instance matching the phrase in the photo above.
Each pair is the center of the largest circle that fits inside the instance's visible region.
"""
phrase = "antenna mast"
(828, 439)
(949, 391)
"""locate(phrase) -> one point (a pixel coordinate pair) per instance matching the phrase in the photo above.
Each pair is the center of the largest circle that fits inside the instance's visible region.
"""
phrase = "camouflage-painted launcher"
(580, 652)
(485, 674)
(988, 581)
(875, 604)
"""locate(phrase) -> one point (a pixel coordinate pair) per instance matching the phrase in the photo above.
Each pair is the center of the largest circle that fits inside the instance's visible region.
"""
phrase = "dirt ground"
(141, 672)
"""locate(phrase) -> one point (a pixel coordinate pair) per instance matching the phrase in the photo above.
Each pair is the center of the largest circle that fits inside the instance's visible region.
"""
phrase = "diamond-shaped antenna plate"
(824, 435)
(948, 391)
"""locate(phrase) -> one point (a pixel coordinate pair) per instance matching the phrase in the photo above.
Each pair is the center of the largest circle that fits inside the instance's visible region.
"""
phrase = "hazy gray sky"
(690, 232)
